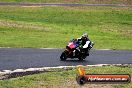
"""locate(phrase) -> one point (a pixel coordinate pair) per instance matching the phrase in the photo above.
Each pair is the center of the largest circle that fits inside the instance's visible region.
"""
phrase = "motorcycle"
(73, 50)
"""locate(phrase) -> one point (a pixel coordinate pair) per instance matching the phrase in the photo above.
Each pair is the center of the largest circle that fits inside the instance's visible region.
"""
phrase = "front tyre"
(63, 56)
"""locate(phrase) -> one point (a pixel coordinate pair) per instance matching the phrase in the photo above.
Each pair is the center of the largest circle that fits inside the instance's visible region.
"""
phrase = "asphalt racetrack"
(23, 58)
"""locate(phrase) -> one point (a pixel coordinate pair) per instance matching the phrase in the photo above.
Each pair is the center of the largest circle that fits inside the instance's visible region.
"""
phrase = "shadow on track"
(78, 62)
(75, 60)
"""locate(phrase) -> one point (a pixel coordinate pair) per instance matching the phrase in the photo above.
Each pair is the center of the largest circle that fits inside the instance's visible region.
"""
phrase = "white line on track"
(46, 68)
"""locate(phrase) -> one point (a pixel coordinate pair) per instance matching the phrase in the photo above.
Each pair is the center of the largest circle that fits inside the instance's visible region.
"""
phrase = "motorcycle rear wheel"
(63, 56)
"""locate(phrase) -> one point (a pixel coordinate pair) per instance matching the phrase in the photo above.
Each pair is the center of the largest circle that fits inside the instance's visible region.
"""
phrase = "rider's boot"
(87, 52)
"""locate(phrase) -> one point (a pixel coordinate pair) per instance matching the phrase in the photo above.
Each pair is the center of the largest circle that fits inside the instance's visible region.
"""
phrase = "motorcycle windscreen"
(71, 45)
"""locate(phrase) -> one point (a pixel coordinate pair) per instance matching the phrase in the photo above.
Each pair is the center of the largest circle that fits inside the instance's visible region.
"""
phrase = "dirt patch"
(71, 1)
(22, 25)
(71, 83)
(31, 6)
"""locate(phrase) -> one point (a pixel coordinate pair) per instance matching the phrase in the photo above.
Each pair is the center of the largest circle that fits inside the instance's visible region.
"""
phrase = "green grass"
(128, 2)
(38, 27)
(66, 79)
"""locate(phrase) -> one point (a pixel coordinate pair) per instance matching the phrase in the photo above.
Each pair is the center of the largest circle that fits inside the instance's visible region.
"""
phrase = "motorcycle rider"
(84, 43)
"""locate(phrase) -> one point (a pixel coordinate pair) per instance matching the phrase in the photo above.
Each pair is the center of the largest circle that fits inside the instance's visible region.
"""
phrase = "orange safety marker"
(81, 70)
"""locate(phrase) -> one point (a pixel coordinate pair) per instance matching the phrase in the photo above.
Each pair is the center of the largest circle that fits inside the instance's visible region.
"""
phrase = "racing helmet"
(85, 35)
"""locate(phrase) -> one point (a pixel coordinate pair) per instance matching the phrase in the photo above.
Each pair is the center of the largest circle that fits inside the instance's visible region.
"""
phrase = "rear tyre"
(63, 56)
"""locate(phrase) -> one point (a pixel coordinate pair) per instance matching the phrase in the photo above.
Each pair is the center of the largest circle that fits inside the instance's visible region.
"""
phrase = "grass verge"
(66, 79)
(40, 27)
